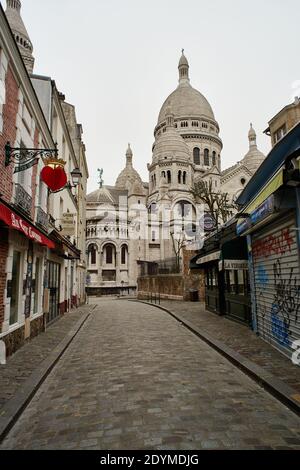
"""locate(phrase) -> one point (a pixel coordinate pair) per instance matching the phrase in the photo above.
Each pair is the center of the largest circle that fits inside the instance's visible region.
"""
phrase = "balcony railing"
(23, 200)
(42, 218)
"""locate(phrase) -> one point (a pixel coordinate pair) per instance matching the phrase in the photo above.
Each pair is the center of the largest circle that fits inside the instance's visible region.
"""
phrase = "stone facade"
(284, 121)
(32, 219)
(187, 148)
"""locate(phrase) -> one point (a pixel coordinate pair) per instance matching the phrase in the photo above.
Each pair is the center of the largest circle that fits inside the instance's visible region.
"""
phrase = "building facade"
(40, 234)
(187, 149)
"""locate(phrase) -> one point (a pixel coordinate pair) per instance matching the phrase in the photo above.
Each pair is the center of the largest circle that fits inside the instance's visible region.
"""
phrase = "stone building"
(42, 269)
(187, 148)
(284, 121)
(236, 178)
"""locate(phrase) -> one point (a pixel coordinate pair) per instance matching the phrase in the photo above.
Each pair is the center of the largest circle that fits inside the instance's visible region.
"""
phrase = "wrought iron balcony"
(23, 200)
(42, 218)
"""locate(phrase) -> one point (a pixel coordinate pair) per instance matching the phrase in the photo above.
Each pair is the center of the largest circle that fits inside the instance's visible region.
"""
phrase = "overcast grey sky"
(116, 60)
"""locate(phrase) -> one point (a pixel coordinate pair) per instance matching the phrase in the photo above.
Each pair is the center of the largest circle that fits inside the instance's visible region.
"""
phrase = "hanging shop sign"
(68, 224)
(54, 178)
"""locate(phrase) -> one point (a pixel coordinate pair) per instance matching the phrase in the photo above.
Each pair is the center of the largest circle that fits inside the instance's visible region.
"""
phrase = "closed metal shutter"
(277, 284)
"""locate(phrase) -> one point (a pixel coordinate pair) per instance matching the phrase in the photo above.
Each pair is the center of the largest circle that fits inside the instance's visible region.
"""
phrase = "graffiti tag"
(277, 245)
(286, 304)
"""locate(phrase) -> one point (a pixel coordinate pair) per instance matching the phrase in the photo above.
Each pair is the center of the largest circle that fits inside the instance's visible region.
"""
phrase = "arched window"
(214, 160)
(169, 177)
(163, 174)
(110, 254)
(206, 157)
(179, 176)
(93, 254)
(123, 254)
(196, 153)
(184, 177)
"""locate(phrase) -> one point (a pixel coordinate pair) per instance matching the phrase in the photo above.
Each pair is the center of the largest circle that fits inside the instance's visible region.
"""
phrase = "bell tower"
(13, 14)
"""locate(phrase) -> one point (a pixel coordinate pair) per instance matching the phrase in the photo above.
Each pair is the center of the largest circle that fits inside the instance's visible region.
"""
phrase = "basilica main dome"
(186, 102)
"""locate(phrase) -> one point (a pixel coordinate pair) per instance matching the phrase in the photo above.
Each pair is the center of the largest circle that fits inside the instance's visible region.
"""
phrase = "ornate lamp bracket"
(26, 158)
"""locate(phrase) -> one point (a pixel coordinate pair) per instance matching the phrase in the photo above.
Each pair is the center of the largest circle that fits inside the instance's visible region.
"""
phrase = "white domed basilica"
(125, 224)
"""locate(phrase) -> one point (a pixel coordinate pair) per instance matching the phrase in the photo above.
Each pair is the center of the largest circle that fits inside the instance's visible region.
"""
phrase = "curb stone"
(276, 387)
(13, 409)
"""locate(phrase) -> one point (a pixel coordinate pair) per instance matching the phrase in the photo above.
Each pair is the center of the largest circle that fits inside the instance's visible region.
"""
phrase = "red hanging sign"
(54, 178)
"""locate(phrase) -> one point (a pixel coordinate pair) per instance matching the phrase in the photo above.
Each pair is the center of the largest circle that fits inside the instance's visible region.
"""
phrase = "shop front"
(270, 219)
(227, 286)
(274, 252)
(23, 293)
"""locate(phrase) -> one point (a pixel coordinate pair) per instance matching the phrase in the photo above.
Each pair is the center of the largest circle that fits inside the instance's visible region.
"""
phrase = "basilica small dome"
(129, 176)
(254, 157)
(170, 145)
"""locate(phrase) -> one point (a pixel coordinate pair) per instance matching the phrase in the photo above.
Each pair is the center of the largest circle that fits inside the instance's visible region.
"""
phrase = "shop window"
(37, 286)
(231, 282)
(15, 288)
(240, 282)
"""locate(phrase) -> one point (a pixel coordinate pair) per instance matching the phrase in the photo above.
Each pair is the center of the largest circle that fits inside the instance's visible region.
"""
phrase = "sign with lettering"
(16, 222)
(235, 264)
(68, 224)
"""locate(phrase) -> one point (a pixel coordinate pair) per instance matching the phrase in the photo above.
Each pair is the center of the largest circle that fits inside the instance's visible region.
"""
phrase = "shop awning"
(13, 220)
(197, 261)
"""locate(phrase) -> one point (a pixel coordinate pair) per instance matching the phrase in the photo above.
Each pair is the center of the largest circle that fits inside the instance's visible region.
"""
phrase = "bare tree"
(179, 241)
(217, 203)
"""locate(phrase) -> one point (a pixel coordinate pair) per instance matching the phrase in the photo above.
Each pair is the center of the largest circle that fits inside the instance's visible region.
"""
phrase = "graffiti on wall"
(262, 281)
(278, 295)
(274, 244)
(286, 303)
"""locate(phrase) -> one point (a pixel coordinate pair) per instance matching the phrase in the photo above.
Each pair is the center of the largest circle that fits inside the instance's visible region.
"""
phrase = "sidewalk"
(239, 338)
(27, 359)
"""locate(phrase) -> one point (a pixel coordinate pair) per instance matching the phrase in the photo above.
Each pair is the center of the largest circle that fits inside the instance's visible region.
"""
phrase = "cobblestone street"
(134, 378)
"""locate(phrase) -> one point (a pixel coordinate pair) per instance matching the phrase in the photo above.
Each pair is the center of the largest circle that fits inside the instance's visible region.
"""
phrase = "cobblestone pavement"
(238, 337)
(21, 365)
(134, 378)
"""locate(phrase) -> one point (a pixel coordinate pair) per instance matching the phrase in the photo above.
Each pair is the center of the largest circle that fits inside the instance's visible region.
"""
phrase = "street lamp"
(76, 176)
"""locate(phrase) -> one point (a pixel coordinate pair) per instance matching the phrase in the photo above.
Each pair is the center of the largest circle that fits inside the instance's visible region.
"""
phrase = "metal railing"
(42, 218)
(23, 200)
(154, 298)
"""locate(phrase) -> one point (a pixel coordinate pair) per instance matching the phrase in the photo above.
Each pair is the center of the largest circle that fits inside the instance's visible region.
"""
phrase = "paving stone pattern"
(24, 362)
(134, 378)
(240, 338)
